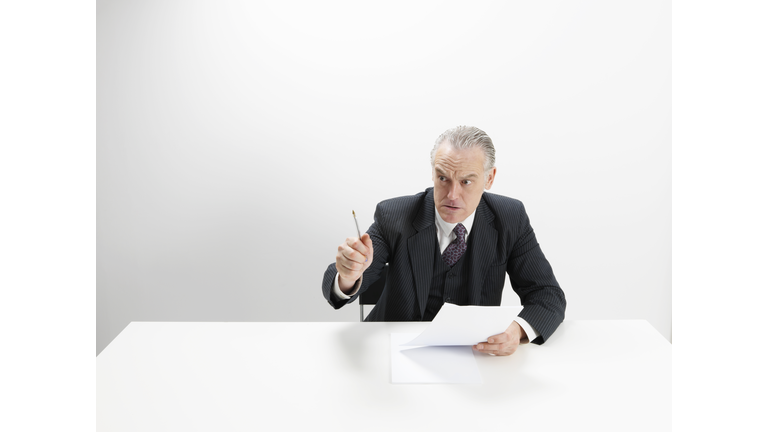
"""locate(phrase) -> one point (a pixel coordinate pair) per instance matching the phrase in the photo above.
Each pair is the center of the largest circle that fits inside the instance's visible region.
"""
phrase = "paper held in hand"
(465, 325)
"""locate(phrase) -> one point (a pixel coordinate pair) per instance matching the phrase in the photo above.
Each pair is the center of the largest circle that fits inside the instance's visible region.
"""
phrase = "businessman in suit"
(452, 243)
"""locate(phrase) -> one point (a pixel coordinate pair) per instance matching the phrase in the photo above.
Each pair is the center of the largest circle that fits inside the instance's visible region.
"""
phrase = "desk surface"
(601, 375)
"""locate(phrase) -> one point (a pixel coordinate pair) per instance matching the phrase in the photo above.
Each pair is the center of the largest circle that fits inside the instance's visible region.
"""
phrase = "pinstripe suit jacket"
(501, 242)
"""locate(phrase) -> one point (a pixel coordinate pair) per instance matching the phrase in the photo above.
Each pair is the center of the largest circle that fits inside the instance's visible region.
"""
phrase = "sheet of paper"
(432, 364)
(466, 325)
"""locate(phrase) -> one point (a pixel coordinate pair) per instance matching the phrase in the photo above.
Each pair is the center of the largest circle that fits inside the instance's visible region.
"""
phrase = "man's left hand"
(503, 344)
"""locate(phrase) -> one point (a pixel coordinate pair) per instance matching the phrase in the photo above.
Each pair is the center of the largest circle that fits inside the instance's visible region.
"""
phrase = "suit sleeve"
(373, 273)
(532, 279)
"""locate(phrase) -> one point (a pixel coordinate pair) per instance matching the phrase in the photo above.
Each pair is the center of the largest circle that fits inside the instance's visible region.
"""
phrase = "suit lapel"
(481, 249)
(421, 249)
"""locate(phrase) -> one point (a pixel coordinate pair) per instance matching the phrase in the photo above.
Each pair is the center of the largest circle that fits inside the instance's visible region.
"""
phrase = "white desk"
(590, 375)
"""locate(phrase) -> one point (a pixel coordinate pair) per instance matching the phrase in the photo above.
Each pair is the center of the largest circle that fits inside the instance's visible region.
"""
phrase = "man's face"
(459, 181)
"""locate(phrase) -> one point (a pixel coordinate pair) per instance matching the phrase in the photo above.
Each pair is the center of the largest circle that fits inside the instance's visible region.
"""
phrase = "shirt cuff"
(340, 295)
(529, 331)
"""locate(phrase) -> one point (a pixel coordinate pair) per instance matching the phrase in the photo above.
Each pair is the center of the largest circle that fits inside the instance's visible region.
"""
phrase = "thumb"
(368, 243)
(367, 240)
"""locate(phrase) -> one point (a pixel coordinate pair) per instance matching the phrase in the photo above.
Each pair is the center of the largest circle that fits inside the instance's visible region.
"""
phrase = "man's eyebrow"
(466, 177)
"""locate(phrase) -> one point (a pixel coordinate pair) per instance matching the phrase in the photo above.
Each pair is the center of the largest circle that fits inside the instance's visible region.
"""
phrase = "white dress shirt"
(445, 236)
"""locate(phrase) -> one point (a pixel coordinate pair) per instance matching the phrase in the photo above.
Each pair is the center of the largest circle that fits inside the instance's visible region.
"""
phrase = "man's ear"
(489, 178)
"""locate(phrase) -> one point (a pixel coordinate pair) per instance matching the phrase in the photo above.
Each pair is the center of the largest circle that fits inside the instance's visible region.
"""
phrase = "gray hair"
(464, 137)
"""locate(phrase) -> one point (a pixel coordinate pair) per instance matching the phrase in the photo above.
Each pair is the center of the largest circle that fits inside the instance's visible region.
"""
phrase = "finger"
(350, 253)
(507, 347)
(499, 338)
(369, 247)
(484, 349)
(357, 245)
(368, 243)
(488, 348)
(364, 245)
(349, 267)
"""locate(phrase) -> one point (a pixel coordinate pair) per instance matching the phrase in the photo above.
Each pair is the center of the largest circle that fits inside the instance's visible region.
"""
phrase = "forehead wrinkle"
(453, 172)
(452, 160)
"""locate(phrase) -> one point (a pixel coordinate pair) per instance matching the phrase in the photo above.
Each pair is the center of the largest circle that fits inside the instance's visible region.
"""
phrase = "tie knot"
(460, 231)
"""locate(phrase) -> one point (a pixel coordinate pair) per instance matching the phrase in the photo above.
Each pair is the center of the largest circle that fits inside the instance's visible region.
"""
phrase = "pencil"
(356, 225)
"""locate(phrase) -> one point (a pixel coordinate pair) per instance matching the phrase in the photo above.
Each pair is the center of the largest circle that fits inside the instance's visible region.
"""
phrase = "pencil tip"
(353, 213)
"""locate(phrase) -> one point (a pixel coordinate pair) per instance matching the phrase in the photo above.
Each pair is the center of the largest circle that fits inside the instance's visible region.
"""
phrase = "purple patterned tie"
(456, 249)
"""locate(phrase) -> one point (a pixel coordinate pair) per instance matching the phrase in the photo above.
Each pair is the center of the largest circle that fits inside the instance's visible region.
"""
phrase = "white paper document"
(432, 364)
(466, 325)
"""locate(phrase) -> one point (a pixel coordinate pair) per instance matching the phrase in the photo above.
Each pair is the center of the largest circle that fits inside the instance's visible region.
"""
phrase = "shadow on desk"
(362, 345)
(356, 341)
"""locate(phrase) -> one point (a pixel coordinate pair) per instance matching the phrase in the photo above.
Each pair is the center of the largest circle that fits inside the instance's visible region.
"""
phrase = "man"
(452, 243)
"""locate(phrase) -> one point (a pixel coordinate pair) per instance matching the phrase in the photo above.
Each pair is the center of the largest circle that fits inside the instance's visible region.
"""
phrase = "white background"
(235, 138)
(48, 183)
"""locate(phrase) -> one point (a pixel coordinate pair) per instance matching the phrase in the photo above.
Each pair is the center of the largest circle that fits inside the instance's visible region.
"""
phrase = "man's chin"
(452, 215)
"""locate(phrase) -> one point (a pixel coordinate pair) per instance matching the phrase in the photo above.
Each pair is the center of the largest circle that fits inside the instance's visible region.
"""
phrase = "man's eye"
(467, 182)
(441, 178)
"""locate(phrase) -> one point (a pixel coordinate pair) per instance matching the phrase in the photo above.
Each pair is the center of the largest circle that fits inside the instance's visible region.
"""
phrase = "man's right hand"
(353, 258)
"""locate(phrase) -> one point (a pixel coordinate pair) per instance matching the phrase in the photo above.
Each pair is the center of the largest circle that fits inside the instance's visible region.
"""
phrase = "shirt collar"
(444, 228)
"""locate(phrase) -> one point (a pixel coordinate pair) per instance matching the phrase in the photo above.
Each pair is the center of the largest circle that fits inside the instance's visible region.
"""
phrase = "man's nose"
(454, 191)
